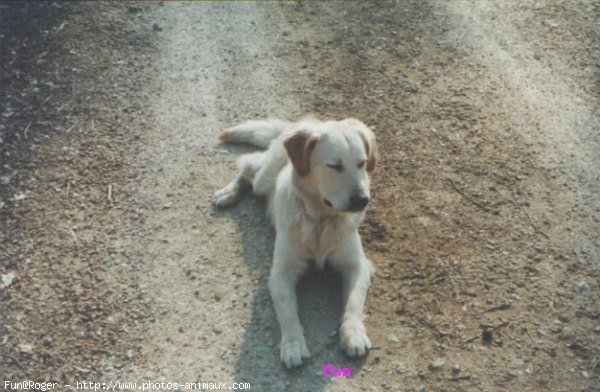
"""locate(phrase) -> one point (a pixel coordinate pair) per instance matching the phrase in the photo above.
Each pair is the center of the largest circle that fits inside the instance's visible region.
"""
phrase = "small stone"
(585, 374)
(421, 388)
(393, 338)
(130, 355)
(437, 364)
(517, 363)
(47, 341)
(564, 318)
(80, 335)
(514, 373)
(400, 367)
(597, 329)
(583, 286)
(82, 371)
(487, 337)
(6, 280)
(567, 334)
(25, 349)
(455, 370)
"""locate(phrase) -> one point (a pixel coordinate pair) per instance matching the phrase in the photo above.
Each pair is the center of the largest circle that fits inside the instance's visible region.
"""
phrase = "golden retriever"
(315, 175)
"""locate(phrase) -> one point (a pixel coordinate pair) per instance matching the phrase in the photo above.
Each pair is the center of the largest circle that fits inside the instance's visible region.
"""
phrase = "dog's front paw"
(227, 196)
(293, 350)
(354, 338)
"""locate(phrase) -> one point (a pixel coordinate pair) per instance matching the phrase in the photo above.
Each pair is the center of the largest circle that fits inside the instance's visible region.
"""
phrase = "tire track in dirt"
(468, 211)
(207, 269)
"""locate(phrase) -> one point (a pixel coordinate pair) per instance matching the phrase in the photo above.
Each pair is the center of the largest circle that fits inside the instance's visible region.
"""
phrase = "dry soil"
(483, 226)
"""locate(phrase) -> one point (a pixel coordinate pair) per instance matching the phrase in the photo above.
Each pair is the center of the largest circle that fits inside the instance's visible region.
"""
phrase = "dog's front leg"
(282, 285)
(356, 271)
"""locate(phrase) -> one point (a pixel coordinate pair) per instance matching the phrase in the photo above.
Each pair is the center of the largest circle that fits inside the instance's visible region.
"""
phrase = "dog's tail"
(257, 133)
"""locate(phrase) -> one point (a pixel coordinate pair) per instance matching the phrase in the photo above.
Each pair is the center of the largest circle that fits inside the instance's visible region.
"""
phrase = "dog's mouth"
(327, 203)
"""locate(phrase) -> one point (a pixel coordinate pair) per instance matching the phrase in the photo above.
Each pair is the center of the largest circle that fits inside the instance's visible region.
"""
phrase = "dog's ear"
(370, 146)
(299, 146)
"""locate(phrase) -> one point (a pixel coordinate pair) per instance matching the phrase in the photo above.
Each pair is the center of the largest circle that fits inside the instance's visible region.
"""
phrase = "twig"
(467, 197)
(494, 327)
(471, 339)
(71, 128)
(486, 328)
(439, 332)
(68, 187)
(15, 361)
(497, 307)
(62, 26)
(588, 314)
(110, 200)
(26, 129)
(73, 234)
(460, 378)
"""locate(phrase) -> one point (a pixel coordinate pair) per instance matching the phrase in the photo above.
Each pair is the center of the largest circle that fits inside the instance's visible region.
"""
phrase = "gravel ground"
(483, 229)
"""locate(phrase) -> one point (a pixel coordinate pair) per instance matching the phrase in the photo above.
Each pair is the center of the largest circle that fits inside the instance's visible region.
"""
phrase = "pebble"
(6, 280)
(585, 374)
(455, 370)
(130, 355)
(517, 363)
(82, 371)
(400, 367)
(47, 341)
(393, 338)
(514, 373)
(421, 388)
(438, 364)
(564, 318)
(79, 334)
(567, 334)
(25, 349)
(583, 286)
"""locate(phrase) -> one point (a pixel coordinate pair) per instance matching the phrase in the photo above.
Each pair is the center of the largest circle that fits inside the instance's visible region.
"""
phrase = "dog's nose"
(358, 202)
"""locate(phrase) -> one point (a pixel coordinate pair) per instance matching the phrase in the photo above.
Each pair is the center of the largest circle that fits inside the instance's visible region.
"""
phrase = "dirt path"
(483, 228)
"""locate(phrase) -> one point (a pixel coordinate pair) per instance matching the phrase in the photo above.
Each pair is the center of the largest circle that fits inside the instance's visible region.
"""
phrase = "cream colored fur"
(315, 176)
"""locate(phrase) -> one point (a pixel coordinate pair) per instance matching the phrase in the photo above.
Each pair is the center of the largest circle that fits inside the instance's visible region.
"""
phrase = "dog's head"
(335, 158)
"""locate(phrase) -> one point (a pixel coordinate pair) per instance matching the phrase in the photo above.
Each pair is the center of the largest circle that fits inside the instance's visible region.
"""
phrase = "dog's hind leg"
(229, 195)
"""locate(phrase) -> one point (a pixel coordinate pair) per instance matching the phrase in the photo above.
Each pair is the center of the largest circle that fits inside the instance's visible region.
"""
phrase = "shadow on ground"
(319, 302)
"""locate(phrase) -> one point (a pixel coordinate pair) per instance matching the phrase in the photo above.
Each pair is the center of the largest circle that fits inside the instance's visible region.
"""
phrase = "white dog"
(315, 176)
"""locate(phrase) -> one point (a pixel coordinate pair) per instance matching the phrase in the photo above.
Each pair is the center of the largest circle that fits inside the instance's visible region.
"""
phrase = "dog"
(315, 175)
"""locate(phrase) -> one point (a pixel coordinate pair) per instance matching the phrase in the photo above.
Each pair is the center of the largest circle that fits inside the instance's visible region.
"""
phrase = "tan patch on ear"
(299, 147)
(371, 148)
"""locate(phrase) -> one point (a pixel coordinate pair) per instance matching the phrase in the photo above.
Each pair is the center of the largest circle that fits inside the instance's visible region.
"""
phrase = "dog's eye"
(361, 164)
(337, 167)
